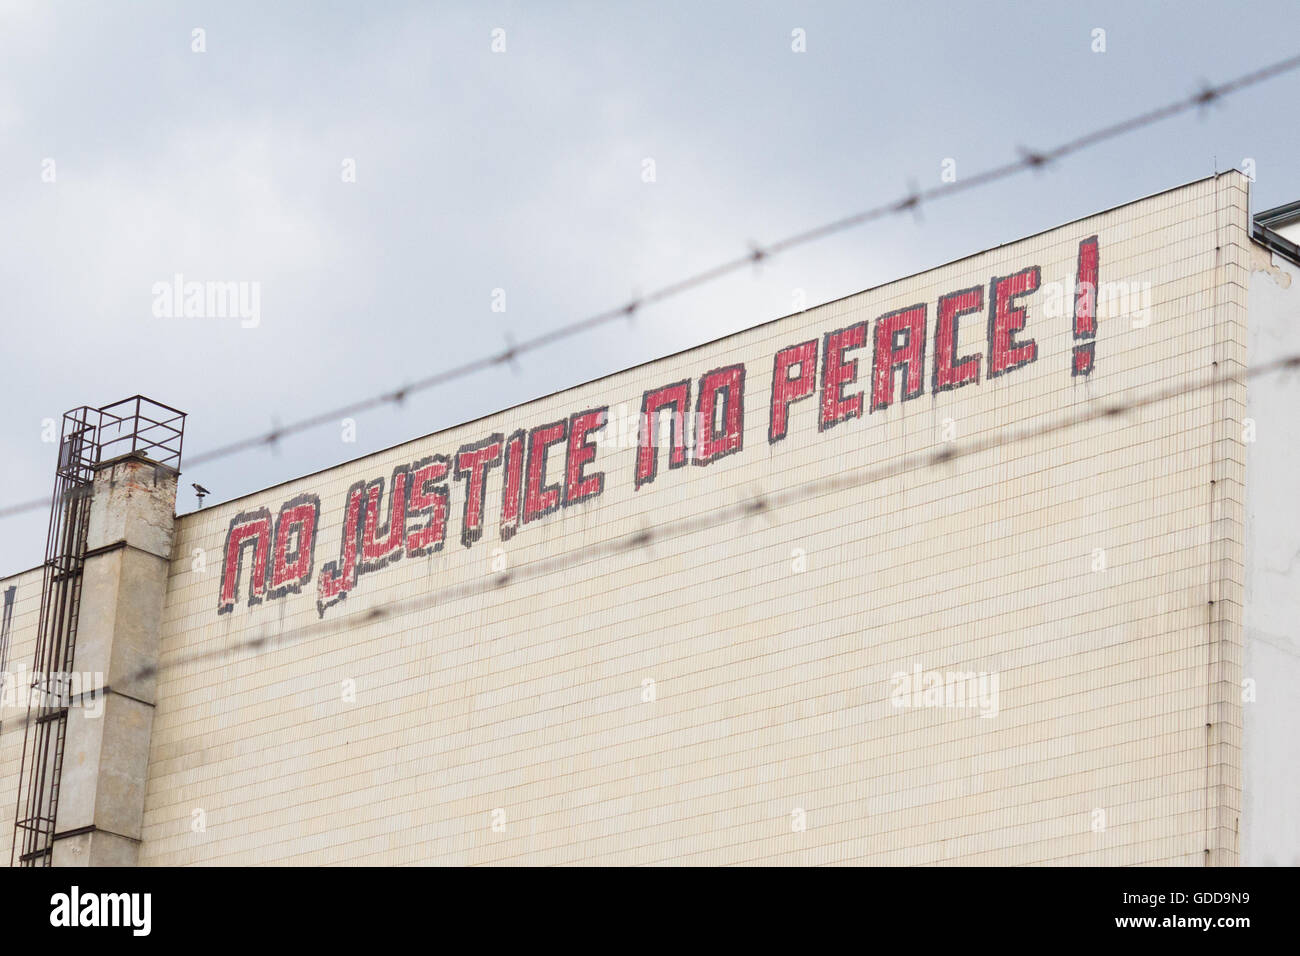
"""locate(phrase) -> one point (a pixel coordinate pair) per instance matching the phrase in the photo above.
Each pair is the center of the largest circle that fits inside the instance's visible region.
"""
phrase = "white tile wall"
(772, 687)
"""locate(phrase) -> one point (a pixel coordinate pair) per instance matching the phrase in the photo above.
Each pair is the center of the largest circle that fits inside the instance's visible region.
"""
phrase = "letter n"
(676, 398)
(248, 530)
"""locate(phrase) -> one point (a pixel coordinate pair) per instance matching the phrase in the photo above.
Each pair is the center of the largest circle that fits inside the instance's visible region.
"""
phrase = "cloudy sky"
(522, 170)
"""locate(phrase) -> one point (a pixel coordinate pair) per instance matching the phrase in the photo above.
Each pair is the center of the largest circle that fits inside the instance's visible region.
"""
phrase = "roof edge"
(721, 338)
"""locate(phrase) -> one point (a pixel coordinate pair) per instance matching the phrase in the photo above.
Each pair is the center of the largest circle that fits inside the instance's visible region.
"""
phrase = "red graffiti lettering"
(900, 343)
(540, 498)
(294, 528)
(513, 484)
(949, 372)
(676, 397)
(577, 486)
(1006, 319)
(252, 528)
(1085, 307)
(472, 464)
(836, 373)
(787, 389)
(720, 414)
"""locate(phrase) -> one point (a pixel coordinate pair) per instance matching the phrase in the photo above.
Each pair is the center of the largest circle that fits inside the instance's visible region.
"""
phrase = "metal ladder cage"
(65, 550)
(134, 425)
(139, 425)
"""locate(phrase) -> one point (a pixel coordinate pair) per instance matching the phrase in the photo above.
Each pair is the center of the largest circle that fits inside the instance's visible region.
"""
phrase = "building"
(994, 564)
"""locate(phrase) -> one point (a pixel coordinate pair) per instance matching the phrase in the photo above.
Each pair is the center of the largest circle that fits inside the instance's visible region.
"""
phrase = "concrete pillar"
(106, 754)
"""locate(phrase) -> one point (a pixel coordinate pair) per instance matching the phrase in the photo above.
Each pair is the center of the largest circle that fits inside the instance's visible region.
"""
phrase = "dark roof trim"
(1264, 224)
(1279, 216)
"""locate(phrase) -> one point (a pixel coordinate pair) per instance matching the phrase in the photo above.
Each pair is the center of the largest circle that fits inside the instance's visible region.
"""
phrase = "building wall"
(16, 676)
(724, 688)
(1271, 712)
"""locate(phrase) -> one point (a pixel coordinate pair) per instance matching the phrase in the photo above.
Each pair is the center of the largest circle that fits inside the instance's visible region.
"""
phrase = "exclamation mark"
(1085, 308)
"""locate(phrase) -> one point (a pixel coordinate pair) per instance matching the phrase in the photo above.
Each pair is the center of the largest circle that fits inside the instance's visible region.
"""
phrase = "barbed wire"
(268, 638)
(1029, 159)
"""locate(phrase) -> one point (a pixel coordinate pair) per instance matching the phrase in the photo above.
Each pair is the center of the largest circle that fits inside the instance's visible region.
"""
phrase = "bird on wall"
(200, 491)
